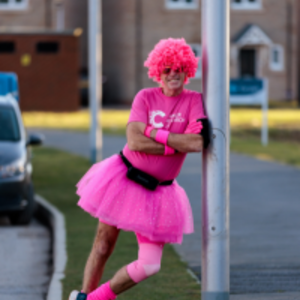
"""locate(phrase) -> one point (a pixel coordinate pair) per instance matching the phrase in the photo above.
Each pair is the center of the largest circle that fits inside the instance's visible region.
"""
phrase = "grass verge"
(287, 152)
(55, 176)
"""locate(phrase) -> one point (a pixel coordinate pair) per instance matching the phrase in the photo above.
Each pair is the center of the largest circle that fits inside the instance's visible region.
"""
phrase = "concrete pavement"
(25, 261)
(265, 226)
(265, 222)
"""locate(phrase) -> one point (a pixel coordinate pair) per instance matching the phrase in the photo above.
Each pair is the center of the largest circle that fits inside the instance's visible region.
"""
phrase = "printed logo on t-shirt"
(172, 118)
(153, 114)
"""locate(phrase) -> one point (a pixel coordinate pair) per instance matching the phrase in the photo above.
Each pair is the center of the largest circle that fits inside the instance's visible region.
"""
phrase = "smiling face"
(173, 81)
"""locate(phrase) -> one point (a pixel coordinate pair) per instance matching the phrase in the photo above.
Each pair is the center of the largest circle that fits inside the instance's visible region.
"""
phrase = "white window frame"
(181, 4)
(277, 66)
(197, 48)
(246, 5)
(13, 5)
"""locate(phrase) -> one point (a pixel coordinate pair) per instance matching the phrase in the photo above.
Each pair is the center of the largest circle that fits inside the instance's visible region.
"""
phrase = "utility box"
(47, 66)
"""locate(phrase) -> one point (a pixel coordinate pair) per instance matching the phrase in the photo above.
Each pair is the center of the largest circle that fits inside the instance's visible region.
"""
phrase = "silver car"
(16, 188)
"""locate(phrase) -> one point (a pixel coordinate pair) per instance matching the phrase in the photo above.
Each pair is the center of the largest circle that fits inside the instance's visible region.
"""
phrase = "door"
(248, 63)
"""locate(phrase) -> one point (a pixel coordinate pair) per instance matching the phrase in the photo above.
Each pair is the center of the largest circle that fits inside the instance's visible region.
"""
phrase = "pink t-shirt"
(152, 107)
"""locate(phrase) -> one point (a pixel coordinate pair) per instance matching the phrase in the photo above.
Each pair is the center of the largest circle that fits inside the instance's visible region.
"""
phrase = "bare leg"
(121, 281)
(103, 246)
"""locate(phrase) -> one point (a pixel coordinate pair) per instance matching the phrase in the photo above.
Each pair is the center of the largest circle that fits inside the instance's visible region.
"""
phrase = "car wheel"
(24, 217)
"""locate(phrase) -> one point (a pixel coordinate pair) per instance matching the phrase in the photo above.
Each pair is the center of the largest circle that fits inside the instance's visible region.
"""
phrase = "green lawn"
(55, 176)
(283, 151)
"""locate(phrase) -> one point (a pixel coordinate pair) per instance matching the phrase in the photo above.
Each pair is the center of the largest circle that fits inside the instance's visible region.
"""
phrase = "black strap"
(129, 165)
(125, 160)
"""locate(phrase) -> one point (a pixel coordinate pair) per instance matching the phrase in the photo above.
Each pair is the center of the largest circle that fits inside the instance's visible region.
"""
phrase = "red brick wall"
(50, 81)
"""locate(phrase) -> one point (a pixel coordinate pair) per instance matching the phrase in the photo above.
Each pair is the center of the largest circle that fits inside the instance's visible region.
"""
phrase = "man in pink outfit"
(165, 124)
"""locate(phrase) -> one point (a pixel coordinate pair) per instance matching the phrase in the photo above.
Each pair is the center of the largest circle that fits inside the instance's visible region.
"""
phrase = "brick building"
(35, 45)
(26, 14)
(264, 43)
(263, 40)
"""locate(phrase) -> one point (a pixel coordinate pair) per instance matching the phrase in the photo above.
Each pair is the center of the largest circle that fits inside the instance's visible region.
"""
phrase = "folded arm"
(186, 143)
(137, 141)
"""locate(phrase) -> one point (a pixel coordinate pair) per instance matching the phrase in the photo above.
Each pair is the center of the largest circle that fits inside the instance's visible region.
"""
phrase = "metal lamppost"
(95, 77)
(215, 173)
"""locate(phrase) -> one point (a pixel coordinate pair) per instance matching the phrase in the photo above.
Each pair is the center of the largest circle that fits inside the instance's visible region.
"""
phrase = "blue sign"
(9, 84)
(252, 92)
(243, 87)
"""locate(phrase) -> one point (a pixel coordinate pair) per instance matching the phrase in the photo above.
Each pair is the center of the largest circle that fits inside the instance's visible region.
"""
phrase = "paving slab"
(264, 219)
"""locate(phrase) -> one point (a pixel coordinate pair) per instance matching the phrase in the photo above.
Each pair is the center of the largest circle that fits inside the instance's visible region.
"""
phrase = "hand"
(194, 127)
(153, 134)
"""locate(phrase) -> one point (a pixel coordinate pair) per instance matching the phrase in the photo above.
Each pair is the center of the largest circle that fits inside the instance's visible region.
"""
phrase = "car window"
(9, 127)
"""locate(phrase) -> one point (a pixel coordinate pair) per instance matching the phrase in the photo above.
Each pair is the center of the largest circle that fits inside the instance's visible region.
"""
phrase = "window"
(47, 47)
(7, 47)
(276, 58)
(198, 51)
(9, 127)
(13, 4)
(246, 4)
(182, 4)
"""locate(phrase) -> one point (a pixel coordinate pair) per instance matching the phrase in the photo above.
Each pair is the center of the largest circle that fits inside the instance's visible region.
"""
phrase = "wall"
(50, 81)
(76, 17)
(273, 20)
(34, 16)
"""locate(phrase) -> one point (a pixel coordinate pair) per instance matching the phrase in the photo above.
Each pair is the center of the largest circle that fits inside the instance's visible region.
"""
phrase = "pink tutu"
(162, 215)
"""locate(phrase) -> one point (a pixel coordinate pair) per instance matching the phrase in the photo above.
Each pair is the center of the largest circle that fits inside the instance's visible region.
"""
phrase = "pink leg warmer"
(149, 260)
(104, 292)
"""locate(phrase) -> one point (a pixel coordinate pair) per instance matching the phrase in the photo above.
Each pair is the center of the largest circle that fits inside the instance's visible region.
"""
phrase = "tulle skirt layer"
(162, 215)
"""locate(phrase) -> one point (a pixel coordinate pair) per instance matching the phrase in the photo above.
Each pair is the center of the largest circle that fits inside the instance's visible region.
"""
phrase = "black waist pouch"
(142, 178)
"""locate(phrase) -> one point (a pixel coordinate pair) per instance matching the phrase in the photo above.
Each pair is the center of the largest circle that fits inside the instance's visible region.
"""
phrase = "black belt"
(141, 177)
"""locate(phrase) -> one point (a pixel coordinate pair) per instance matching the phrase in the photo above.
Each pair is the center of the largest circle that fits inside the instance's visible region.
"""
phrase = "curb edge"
(55, 219)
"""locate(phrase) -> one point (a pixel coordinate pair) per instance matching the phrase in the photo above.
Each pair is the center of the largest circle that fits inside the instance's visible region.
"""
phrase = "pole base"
(215, 295)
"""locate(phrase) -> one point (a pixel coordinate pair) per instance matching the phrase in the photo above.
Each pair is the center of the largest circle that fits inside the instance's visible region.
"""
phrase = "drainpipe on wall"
(48, 14)
(298, 52)
(138, 44)
(60, 15)
(289, 45)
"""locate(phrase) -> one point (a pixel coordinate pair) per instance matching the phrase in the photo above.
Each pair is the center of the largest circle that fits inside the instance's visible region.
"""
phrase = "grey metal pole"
(265, 109)
(95, 77)
(215, 173)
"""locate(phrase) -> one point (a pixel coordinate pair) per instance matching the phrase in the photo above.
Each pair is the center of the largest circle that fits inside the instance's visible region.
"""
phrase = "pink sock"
(104, 292)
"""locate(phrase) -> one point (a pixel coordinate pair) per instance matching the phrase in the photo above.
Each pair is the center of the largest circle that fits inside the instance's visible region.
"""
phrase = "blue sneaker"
(75, 295)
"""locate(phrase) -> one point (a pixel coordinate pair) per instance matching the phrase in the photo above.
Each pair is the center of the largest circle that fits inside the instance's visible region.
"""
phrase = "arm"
(183, 142)
(186, 142)
(137, 141)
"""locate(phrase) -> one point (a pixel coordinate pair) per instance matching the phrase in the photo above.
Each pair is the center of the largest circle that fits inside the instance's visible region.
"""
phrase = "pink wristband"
(169, 150)
(148, 130)
(162, 136)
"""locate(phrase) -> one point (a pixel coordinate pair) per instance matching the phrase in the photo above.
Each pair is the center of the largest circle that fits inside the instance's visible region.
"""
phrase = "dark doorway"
(247, 63)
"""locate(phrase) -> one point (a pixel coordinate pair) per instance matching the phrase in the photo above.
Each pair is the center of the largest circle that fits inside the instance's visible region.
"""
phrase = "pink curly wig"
(171, 52)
